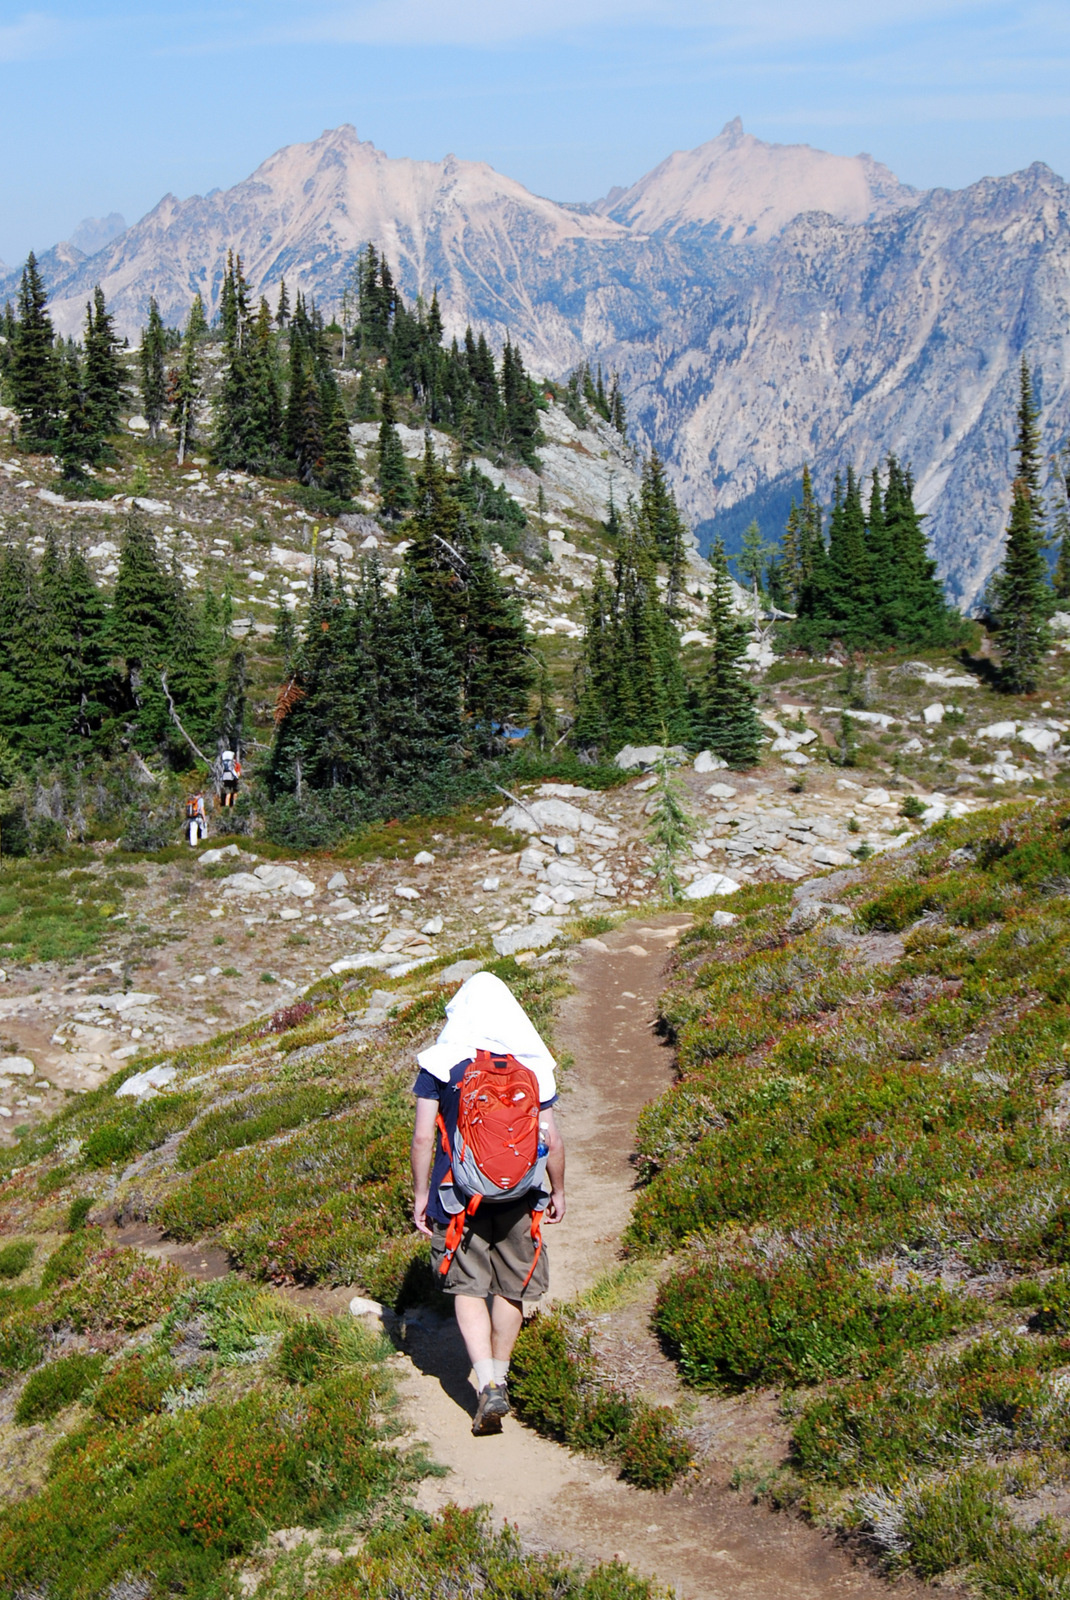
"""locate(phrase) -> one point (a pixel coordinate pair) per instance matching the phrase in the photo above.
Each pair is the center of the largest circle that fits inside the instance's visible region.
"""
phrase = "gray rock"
(709, 884)
(339, 881)
(143, 1085)
(536, 936)
(211, 858)
(16, 1067)
(570, 872)
(706, 761)
(826, 856)
(459, 971)
(647, 755)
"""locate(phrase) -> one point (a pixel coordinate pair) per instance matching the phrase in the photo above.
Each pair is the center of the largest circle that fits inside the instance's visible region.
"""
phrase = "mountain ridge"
(748, 341)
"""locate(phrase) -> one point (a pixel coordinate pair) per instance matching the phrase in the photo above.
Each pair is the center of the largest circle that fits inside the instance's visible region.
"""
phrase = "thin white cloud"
(499, 22)
(33, 34)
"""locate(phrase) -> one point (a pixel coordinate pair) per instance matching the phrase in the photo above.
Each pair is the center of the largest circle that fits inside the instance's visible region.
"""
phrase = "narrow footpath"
(707, 1542)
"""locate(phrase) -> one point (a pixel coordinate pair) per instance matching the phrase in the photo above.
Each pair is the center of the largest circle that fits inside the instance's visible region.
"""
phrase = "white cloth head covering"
(485, 1015)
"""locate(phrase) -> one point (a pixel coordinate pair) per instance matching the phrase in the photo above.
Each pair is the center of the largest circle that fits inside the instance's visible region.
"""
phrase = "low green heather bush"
(555, 1386)
(118, 1288)
(134, 1389)
(131, 1128)
(169, 1500)
(53, 1387)
(78, 1214)
(798, 1321)
(331, 1202)
(458, 1553)
(16, 1257)
(997, 1396)
(257, 1117)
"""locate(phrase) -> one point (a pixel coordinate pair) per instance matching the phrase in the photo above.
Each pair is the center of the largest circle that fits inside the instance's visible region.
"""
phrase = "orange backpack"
(497, 1153)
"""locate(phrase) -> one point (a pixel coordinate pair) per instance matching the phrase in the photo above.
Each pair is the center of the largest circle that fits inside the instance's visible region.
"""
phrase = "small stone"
(875, 797)
(211, 857)
(565, 846)
(723, 919)
(913, 747)
(423, 858)
(403, 892)
(706, 761)
(998, 730)
(144, 1085)
(795, 758)
(16, 1067)
(289, 914)
(542, 904)
(338, 882)
(562, 895)
(722, 791)
(361, 1307)
(934, 713)
(491, 885)
(432, 926)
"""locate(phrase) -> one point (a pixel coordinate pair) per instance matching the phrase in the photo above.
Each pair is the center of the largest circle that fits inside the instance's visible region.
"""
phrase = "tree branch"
(175, 719)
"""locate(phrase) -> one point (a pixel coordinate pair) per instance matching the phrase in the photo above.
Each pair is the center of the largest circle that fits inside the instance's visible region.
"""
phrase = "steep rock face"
(744, 189)
(838, 345)
(749, 337)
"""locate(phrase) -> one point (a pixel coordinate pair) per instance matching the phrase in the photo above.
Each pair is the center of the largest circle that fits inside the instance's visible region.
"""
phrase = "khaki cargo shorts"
(494, 1255)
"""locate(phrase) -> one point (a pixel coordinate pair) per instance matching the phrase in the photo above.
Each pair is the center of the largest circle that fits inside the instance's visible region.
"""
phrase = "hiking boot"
(493, 1406)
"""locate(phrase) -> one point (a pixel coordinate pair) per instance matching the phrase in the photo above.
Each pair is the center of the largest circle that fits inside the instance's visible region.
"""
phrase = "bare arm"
(555, 1167)
(421, 1155)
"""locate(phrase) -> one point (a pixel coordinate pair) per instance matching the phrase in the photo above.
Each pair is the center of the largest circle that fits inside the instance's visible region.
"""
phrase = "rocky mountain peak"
(745, 189)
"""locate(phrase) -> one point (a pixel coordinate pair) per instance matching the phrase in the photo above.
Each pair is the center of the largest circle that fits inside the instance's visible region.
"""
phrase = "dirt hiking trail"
(704, 1540)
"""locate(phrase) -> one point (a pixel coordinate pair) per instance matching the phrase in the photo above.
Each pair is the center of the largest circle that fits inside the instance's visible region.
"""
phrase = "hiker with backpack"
(495, 1174)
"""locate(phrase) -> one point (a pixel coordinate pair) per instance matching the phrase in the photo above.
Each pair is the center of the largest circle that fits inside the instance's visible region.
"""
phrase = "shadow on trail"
(983, 668)
(434, 1346)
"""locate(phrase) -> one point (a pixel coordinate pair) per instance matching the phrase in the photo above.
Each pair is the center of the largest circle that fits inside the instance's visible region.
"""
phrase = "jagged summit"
(746, 189)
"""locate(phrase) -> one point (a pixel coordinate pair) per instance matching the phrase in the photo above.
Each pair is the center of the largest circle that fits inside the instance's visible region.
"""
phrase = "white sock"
(501, 1371)
(484, 1371)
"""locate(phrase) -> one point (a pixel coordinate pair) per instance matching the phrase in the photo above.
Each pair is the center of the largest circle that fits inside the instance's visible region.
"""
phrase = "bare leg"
(473, 1319)
(506, 1319)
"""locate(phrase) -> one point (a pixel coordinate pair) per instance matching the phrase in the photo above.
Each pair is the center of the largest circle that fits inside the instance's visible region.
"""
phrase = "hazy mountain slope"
(839, 344)
(746, 189)
(457, 225)
(748, 338)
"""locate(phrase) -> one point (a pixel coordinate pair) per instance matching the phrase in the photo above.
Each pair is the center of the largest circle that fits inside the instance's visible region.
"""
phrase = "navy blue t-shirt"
(448, 1095)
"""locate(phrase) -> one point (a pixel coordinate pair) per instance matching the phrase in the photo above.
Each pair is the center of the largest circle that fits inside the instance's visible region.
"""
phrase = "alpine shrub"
(59, 1384)
(15, 1258)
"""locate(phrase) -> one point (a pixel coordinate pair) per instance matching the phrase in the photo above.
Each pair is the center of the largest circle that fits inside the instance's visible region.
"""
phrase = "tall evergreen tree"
(187, 382)
(34, 375)
(152, 366)
(629, 681)
(105, 380)
(395, 479)
(1022, 597)
(914, 608)
(479, 623)
(521, 418)
(724, 719)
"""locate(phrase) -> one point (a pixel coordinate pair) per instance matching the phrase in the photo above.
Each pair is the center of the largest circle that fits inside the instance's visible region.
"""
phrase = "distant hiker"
(488, 1085)
(230, 777)
(196, 818)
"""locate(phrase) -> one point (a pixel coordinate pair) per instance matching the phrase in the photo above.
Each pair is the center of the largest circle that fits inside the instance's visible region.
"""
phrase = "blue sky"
(107, 106)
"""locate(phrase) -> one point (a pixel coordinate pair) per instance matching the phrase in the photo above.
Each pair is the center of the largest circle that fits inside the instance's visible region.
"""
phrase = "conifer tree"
(282, 311)
(519, 412)
(629, 682)
(78, 441)
(153, 370)
(913, 605)
(479, 623)
(187, 383)
(594, 682)
(1022, 597)
(395, 479)
(105, 384)
(341, 475)
(752, 557)
(23, 687)
(366, 408)
(34, 375)
(724, 719)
